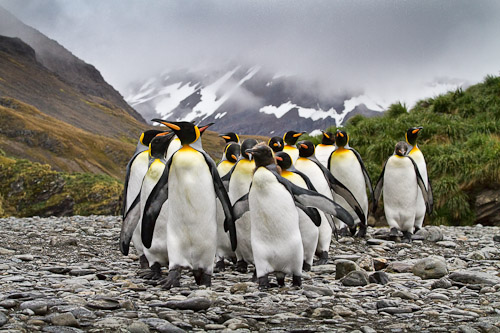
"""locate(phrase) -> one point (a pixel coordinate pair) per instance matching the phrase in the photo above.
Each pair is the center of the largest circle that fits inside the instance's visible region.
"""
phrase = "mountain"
(247, 100)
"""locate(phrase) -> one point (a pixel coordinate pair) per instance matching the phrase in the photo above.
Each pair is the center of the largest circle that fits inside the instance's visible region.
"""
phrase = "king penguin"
(276, 143)
(239, 180)
(230, 137)
(136, 170)
(346, 165)
(325, 148)
(416, 154)
(400, 182)
(271, 201)
(229, 159)
(290, 138)
(190, 182)
(326, 184)
(308, 225)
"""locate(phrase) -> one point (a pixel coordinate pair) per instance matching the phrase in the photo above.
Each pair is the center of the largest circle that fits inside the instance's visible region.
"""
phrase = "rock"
(3, 319)
(6, 252)
(434, 234)
(8, 303)
(404, 295)
(467, 329)
(473, 277)
(61, 329)
(379, 278)
(322, 313)
(400, 267)
(430, 268)
(366, 262)
(487, 207)
(24, 257)
(355, 278)
(240, 287)
(343, 267)
(379, 263)
(477, 255)
(104, 304)
(195, 304)
(138, 327)
(324, 269)
(496, 238)
(387, 303)
(442, 283)
(343, 311)
(448, 244)
(324, 291)
(367, 329)
(438, 296)
(38, 307)
(64, 319)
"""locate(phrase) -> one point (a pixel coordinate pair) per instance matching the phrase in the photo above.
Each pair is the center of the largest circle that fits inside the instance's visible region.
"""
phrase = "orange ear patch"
(340, 133)
(326, 135)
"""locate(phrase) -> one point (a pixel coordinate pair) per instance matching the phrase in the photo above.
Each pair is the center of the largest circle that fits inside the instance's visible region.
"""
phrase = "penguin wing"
(430, 196)
(128, 226)
(221, 192)
(341, 190)
(421, 184)
(311, 212)
(368, 181)
(127, 180)
(310, 198)
(227, 177)
(378, 189)
(153, 205)
(240, 207)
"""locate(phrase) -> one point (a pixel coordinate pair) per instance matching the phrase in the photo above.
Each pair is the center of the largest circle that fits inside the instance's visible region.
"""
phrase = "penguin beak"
(203, 128)
(169, 125)
(326, 135)
(303, 145)
(279, 158)
(416, 130)
(296, 135)
(234, 157)
(249, 153)
(225, 137)
(276, 144)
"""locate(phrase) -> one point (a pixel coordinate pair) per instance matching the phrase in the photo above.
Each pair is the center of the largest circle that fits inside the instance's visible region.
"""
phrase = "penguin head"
(232, 152)
(230, 137)
(328, 138)
(306, 148)
(186, 132)
(159, 144)
(262, 154)
(284, 160)
(401, 148)
(291, 137)
(147, 136)
(276, 143)
(246, 145)
(341, 138)
(412, 134)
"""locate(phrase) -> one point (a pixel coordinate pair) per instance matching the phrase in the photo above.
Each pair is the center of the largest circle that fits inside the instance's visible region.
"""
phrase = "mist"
(393, 50)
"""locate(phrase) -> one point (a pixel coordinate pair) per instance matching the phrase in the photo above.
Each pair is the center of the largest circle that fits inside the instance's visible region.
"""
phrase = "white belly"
(419, 159)
(292, 151)
(323, 153)
(138, 170)
(276, 240)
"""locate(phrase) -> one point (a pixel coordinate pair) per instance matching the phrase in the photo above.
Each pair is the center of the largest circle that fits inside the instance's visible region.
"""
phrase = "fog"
(394, 50)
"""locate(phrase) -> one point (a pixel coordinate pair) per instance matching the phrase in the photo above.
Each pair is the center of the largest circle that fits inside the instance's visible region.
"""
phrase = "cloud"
(387, 48)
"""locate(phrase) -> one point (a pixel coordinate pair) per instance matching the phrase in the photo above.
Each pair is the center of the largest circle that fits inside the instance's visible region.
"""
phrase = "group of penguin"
(274, 205)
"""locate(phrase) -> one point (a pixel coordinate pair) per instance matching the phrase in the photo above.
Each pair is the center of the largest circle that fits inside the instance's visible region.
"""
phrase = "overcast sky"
(386, 48)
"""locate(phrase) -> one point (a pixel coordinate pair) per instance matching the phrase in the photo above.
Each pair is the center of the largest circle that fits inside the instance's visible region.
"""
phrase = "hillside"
(461, 144)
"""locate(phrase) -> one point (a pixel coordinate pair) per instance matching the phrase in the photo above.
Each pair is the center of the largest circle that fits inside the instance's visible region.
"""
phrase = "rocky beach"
(68, 275)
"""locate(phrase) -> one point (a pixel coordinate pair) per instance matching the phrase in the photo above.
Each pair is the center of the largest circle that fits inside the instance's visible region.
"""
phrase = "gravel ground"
(68, 275)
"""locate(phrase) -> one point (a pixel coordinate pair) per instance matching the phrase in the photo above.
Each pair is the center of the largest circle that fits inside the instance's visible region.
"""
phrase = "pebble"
(430, 268)
(75, 275)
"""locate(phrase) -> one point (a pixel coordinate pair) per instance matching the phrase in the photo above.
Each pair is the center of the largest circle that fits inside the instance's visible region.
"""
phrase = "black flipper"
(311, 212)
(421, 184)
(341, 190)
(430, 195)
(221, 193)
(240, 207)
(378, 189)
(128, 226)
(227, 176)
(314, 199)
(368, 181)
(153, 205)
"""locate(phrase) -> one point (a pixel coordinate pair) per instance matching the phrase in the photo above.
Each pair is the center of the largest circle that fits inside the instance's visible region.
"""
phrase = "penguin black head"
(230, 137)
(401, 148)
(284, 160)
(276, 143)
(186, 132)
(328, 138)
(232, 152)
(159, 144)
(246, 145)
(412, 134)
(262, 154)
(291, 137)
(341, 138)
(306, 148)
(147, 136)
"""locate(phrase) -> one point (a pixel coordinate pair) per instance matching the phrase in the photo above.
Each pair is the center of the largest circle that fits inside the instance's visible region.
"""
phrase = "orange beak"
(172, 126)
(234, 157)
(304, 146)
(279, 158)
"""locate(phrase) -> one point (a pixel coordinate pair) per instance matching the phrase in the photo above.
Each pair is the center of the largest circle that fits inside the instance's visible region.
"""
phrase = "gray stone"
(400, 267)
(430, 268)
(366, 262)
(403, 294)
(379, 277)
(448, 244)
(343, 267)
(138, 327)
(104, 304)
(61, 329)
(477, 255)
(392, 310)
(496, 238)
(324, 291)
(434, 234)
(467, 329)
(64, 319)
(323, 313)
(387, 303)
(473, 277)
(195, 304)
(3, 319)
(367, 329)
(442, 283)
(8, 303)
(355, 278)
(38, 307)
(343, 311)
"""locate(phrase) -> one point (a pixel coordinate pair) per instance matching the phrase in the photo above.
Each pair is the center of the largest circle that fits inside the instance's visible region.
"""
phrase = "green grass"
(460, 142)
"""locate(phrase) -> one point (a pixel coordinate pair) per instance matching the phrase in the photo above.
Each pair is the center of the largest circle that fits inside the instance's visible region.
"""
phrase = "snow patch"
(173, 95)
(220, 115)
(313, 114)
(316, 132)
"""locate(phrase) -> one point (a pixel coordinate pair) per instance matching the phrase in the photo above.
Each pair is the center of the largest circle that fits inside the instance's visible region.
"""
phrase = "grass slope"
(460, 142)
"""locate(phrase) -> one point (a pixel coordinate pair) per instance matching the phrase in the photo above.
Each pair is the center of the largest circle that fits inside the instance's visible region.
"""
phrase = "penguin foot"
(406, 237)
(241, 266)
(143, 261)
(202, 278)
(344, 232)
(362, 231)
(220, 266)
(306, 267)
(264, 282)
(323, 258)
(173, 279)
(352, 231)
(296, 281)
(394, 235)
(280, 278)
(154, 272)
